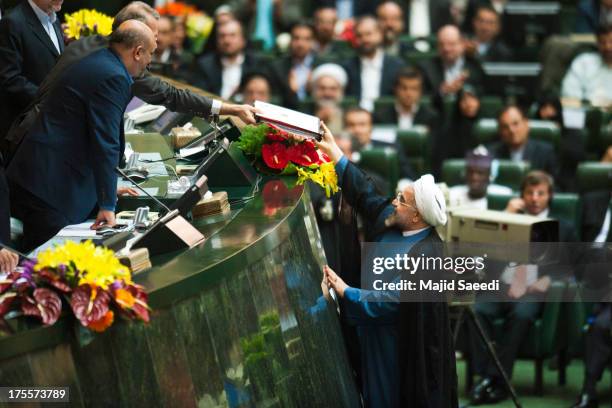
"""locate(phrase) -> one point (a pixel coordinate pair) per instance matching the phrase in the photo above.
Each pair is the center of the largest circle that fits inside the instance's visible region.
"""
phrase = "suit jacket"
(540, 154)
(587, 19)
(424, 116)
(425, 339)
(27, 54)
(147, 87)
(279, 75)
(439, 15)
(208, 73)
(497, 52)
(594, 207)
(68, 157)
(391, 66)
(5, 209)
(433, 74)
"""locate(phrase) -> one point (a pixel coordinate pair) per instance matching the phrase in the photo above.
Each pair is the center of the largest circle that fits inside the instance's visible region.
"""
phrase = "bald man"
(65, 167)
(399, 341)
(451, 68)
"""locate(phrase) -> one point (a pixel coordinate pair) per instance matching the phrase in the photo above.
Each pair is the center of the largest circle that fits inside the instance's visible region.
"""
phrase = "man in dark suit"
(592, 14)
(220, 72)
(65, 167)
(372, 72)
(447, 73)
(147, 87)
(537, 191)
(8, 259)
(292, 72)
(399, 341)
(595, 212)
(515, 144)
(408, 110)
(31, 40)
(358, 123)
(486, 45)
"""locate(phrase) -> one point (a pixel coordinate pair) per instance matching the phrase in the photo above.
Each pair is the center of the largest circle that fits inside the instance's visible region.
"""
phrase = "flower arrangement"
(275, 152)
(87, 22)
(198, 25)
(90, 281)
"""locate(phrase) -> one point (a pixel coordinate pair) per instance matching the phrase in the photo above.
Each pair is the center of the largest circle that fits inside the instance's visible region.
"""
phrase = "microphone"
(11, 249)
(141, 189)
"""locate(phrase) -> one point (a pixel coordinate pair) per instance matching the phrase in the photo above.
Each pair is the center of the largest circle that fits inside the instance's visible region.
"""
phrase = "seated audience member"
(372, 72)
(65, 167)
(426, 17)
(327, 84)
(592, 14)
(596, 227)
(255, 87)
(31, 40)
(165, 61)
(408, 110)
(358, 122)
(324, 23)
(473, 6)
(348, 9)
(571, 147)
(446, 74)
(391, 19)
(515, 144)
(528, 283)
(589, 77)
(220, 72)
(478, 182)
(458, 135)
(485, 44)
(291, 73)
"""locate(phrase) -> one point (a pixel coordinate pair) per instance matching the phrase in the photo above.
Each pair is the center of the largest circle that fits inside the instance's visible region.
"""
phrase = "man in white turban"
(327, 84)
(407, 351)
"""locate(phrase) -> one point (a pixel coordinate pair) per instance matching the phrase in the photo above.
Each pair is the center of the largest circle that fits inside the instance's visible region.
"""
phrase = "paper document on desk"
(81, 230)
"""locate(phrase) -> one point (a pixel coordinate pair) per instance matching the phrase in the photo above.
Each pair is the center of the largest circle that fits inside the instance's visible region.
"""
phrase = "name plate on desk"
(170, 233)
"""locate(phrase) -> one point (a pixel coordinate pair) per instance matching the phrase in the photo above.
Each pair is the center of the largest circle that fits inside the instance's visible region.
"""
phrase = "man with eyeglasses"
(399, 341)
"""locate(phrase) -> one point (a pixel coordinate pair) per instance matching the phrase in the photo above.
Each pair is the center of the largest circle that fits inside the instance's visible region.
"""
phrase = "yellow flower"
(87, 22)
(98, 266)
(325, 176)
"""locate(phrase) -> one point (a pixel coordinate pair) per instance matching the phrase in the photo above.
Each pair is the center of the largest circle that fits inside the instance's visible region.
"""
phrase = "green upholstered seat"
(594, 176)
(416, 145)
(384, 162)
(509, 173)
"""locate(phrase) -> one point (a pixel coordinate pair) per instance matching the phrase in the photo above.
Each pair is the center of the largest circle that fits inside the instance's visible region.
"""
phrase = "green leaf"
(252, 139)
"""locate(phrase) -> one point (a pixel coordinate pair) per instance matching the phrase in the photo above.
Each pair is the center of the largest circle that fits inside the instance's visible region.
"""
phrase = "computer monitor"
(167, 121)
(513, 80)
(190, 198)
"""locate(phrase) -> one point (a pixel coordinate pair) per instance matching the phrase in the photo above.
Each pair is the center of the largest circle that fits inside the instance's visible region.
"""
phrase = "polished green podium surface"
(238, 321)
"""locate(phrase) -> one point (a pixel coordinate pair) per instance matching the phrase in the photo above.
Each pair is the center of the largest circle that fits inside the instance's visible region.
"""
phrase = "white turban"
(332, 70)
(430, 201)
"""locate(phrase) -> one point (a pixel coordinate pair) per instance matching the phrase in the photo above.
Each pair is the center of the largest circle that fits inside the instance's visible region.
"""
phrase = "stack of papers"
(217, 204)
(137, 260)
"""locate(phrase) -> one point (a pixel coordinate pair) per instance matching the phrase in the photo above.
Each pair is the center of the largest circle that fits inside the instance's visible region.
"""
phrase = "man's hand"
(518, 287)
(325, 288)
(471, 47)
(105, 218)
(334, 281)
(8, 260)
(607, 157)
(328, 145)
(540, 286)
(246, 113)
(516, 205)
(127, 191)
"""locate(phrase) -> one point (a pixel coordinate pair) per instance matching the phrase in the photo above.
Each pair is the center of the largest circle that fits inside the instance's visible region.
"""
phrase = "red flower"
(89, 304)
(103, 323)
(303, 154)
(275, 155)
(46, 305)
(276, 136)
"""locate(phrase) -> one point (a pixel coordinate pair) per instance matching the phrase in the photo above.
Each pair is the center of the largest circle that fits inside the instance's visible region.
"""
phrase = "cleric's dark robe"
(426, 354)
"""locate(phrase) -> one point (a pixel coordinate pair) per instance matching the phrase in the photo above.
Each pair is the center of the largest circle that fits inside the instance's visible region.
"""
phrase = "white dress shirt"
(405, 119)
(458, 196)
(588, 78)
(371, 76)
(302, 73)
(231, 75)
(517, 155)
(47, 21)
(605, 228)
(419, 18)
(452, 72)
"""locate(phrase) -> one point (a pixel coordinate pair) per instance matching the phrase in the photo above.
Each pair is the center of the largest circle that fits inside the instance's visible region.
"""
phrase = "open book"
(289, 120)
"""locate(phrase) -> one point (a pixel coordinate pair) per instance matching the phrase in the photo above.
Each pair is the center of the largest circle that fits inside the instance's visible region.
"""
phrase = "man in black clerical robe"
(407, 348)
